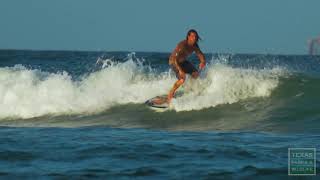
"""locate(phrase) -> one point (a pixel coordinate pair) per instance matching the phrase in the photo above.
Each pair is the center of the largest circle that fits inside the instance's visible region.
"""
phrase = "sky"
(226, 26)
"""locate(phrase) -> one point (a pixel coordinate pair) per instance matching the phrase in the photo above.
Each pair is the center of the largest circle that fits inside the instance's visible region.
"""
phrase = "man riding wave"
(180, 65)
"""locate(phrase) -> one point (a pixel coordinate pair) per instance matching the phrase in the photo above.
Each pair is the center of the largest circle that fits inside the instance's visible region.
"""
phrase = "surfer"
(180, 65)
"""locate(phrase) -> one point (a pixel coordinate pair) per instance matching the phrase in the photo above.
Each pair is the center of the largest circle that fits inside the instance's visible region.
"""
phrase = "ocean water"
(81, 115)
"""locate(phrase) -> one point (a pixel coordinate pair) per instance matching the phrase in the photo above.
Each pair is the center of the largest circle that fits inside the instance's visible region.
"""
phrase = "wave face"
(262, 92)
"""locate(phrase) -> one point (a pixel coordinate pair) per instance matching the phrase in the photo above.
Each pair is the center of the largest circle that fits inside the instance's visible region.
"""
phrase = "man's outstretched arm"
(201, 58)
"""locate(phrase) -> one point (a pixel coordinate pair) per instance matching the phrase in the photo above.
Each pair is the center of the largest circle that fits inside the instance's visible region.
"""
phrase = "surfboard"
(158, 102)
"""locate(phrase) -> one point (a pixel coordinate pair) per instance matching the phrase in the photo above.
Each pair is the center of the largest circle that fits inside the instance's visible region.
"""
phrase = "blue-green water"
(82, 115)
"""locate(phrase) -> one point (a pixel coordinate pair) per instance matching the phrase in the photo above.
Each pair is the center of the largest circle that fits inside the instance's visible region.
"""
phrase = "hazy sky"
(236, 26)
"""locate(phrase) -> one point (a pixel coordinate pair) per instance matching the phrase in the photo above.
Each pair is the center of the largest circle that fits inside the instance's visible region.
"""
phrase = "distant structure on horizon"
(314, 46)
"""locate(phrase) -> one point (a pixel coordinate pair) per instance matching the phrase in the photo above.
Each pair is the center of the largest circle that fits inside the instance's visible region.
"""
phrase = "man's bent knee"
(181, 81)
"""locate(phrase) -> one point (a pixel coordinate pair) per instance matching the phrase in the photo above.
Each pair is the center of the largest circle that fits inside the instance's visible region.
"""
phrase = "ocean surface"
(81, 115)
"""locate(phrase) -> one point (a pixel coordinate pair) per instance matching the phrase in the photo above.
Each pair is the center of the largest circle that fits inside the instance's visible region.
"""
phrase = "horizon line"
(146, 51)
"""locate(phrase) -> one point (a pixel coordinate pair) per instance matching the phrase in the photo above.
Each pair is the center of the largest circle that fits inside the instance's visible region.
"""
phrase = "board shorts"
(186, 67)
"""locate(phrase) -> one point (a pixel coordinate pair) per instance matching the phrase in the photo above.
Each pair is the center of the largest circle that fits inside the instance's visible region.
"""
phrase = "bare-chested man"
(180, 65)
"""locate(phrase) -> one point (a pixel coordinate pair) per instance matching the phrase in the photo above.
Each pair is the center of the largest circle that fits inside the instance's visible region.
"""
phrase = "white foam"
(225, 85)
(28, 93)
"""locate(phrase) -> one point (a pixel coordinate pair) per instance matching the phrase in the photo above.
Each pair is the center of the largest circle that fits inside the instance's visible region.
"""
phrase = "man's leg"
(190, 69)
(174, 89)
(177, 84)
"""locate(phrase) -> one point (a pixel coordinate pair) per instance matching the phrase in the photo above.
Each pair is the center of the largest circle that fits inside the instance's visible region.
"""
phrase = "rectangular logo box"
(302, 161)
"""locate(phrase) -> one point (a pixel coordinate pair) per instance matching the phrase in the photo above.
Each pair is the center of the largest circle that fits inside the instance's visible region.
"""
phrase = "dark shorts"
(186, 67)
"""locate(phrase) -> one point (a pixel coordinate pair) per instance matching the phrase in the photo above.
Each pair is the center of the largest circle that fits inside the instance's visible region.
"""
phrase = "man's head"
(192, 37)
